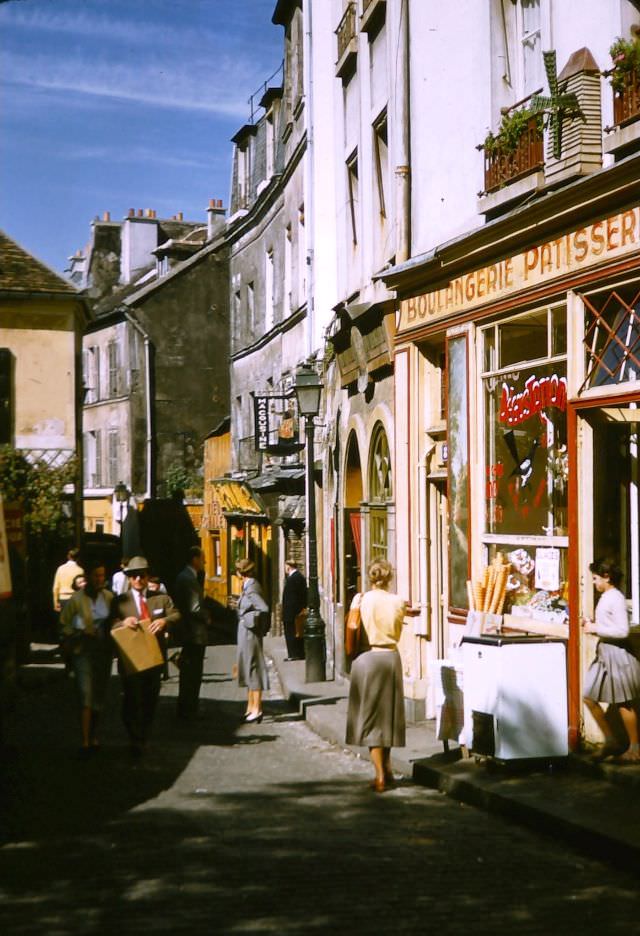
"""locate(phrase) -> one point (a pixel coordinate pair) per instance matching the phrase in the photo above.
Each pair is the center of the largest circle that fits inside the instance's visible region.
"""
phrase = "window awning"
(237, 499)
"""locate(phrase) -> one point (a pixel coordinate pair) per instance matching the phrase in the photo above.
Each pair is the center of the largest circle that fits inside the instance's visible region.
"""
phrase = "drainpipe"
(403, 139)
(307, 19)
(149, 482)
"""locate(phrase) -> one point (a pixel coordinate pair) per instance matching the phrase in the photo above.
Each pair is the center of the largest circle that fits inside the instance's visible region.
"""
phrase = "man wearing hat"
(194, 630)
(141, 690)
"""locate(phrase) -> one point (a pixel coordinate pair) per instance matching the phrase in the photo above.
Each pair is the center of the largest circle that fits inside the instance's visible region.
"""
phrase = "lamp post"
(308, 390)
(121, 493)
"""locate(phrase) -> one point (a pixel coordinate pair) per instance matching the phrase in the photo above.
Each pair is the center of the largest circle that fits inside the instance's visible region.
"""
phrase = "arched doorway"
(352, 521)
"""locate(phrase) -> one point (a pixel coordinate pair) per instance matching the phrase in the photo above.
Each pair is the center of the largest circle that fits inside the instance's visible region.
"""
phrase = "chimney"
(132, 213)
(179, 216)
(106, 216)
(215, 217)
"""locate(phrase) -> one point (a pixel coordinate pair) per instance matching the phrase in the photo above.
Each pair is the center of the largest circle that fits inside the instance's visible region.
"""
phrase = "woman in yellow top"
(375, 716)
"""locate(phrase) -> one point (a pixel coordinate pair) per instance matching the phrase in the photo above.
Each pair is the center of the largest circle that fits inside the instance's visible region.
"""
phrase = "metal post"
(315, 647)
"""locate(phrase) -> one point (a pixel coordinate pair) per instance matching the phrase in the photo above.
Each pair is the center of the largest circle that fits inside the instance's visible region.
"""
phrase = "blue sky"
(108, 105)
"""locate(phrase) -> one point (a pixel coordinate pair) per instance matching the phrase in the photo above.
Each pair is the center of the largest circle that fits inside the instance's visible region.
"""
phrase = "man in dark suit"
(189, 595)
(294, 599)
(141, 690)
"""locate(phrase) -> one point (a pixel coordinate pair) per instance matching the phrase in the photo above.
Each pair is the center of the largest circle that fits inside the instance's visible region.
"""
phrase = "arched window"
(380, 493)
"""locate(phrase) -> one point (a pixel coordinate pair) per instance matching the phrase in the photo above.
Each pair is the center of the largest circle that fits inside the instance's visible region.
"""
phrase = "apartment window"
(251, 308)
(6, 396)
(113, 473)
(380, 493)
(302, 255)
(269, 287)
(381, 161)
(531, 46)
(244, 175)
(92, 459)
(288, 245)
(113, 358)
(353, 196)
(270, 129)
(91, 374)
(237, 308)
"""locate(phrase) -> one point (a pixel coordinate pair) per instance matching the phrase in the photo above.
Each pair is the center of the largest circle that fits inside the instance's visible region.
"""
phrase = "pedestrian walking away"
(614, 675)
(375, 713)
(88, 650)
(193, 632)
(63, 579)
(253, 620)
(294, 600)
(119, 582)
(141, 689)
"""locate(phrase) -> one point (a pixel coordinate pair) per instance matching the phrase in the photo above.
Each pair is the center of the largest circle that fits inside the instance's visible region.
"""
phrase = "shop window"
(354, 196)
(612, 338)
(458, 463)
(380, 494)
(526, 462)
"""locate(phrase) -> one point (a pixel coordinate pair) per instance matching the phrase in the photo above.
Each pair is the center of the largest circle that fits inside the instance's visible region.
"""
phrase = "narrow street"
(225, 828)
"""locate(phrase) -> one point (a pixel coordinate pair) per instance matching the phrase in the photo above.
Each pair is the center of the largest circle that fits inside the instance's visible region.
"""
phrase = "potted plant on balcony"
(515, 150)
(625, 80)
(625, 54)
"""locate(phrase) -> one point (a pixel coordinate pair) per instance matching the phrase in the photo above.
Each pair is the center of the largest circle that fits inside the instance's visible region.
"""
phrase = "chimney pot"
(180, 216)
(212, 203)
(106, 216)
(132, 213)
(219, 203)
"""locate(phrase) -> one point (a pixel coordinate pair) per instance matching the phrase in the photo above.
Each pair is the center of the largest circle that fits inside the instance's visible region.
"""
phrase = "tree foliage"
(39, 488)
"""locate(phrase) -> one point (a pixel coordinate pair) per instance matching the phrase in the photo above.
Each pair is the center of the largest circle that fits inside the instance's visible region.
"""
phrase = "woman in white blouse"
(614, 675)
(375, 715)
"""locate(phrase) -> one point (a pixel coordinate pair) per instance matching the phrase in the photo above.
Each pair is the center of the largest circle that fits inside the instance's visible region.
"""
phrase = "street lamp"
(121, 493)
(308, 390)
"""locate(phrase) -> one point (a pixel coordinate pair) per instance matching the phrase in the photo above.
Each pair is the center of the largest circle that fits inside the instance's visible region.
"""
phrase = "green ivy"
(625, 54)
(179, 480)
(39, 488)
(512, 127)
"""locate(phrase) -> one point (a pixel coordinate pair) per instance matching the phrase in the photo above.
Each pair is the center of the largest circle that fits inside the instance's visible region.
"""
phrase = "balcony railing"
(626, 102)
(503, 165)
(347, 42)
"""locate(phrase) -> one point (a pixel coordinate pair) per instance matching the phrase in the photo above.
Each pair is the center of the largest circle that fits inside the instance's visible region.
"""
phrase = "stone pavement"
(587, 804)
(226, 829)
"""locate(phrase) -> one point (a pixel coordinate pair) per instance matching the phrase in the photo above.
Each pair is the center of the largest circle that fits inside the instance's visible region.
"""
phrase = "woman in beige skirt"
(375, 717)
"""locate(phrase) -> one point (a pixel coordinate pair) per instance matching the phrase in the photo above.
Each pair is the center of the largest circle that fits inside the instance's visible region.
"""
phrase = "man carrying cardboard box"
(141, 669)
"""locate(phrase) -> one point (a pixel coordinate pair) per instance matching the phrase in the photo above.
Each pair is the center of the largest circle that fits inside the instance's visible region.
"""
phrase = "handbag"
(355, 638)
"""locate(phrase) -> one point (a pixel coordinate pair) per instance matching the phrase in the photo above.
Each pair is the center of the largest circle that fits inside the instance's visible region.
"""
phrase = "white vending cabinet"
(515, 697)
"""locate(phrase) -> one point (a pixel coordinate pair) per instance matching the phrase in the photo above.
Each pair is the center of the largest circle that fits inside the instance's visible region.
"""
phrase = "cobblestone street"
(225, 828)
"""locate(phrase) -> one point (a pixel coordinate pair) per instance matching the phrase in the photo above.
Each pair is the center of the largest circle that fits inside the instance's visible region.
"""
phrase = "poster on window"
(526, 451)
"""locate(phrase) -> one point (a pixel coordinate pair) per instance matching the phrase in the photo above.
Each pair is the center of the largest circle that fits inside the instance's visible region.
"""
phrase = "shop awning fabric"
(237, 499)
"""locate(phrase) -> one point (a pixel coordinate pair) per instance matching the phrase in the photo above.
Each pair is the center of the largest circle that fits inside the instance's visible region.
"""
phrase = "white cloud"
(135, 154)
(157, 84)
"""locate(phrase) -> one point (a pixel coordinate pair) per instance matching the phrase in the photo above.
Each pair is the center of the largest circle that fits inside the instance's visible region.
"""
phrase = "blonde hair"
(380, 572)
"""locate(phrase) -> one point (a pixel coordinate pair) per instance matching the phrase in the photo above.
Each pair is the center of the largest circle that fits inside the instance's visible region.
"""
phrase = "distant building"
(153, 374)
(42, 317)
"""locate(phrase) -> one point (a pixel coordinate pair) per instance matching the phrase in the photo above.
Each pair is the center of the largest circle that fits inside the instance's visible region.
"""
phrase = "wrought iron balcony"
(626, 102)
(347, 42)
(509, 159)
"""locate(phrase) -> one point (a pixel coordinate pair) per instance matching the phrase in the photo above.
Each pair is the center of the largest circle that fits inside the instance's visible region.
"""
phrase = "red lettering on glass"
(538, 394)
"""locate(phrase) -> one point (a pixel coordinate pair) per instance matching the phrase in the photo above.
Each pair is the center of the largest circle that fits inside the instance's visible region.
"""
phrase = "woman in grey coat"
(253, 613)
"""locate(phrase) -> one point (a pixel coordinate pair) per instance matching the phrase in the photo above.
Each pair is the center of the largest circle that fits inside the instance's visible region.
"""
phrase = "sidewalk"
(589, 805)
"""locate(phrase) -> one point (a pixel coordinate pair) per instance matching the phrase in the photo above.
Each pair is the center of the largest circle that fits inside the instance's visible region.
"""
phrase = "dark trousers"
(191, 665)
(295, 645)
(141, 691)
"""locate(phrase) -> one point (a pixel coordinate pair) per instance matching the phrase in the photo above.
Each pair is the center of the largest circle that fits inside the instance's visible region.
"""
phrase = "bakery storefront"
(523, 377)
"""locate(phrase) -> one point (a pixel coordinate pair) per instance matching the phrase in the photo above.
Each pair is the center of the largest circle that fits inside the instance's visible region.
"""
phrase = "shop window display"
(526, 462)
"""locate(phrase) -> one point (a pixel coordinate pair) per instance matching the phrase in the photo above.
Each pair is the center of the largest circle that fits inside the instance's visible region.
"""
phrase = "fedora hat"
(137, 564)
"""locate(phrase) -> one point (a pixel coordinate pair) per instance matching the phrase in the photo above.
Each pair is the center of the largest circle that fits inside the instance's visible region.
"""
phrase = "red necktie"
(144, 610)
